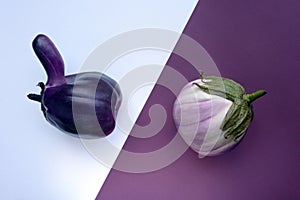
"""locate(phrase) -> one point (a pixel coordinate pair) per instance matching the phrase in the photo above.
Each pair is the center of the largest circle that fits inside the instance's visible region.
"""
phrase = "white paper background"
(37, 160)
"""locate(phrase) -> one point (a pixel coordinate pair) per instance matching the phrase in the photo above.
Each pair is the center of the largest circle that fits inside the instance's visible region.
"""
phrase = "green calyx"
(240, 114)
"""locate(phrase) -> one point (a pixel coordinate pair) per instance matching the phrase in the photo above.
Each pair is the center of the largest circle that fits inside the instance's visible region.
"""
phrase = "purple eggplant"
(85, 103)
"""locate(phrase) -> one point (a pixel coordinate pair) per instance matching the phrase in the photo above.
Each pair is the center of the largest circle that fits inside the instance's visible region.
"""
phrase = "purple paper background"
(257, 44)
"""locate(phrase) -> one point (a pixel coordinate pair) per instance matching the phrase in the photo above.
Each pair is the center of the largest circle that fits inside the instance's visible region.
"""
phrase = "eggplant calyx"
(37, 97)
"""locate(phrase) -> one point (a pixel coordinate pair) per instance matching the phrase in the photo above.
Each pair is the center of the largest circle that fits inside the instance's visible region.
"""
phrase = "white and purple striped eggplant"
(85, 92)
(212, 114)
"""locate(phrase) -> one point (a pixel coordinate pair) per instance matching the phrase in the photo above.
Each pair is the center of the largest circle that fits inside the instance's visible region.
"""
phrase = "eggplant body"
(85, 103)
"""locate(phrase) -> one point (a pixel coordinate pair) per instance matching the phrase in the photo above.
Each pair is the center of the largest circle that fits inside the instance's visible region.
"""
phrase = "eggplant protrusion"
(50, 58)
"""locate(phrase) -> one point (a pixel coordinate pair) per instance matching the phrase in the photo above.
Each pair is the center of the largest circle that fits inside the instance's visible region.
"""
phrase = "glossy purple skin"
(50, 58)
(84, 103)
(106, 99)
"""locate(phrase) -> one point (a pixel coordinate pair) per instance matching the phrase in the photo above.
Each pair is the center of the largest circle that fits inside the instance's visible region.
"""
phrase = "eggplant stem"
(35, 97)
(253, 96)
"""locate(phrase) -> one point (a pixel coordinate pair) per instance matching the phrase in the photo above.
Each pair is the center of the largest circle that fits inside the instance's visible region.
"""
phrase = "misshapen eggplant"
(79, 103)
